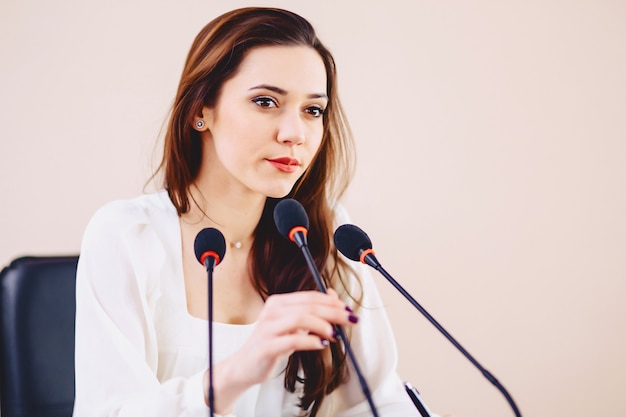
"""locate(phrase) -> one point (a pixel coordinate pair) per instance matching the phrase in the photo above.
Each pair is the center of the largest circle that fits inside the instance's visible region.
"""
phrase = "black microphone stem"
(376, 265)
(301, 242)
(209, 264)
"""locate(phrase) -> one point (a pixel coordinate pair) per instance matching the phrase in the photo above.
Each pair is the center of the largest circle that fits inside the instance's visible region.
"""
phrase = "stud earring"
(199, 123)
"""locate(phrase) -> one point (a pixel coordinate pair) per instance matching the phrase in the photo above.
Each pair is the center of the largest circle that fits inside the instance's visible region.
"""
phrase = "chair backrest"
(38, 307)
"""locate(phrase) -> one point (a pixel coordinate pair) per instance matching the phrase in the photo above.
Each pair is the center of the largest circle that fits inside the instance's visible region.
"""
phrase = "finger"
(332, 293)
(276, 305)
(287, 344)
(311, 317)
(305, 297)
(305, 323)
(293, 322)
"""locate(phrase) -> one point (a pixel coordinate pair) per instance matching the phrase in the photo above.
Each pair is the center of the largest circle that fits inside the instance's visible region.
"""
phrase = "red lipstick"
(285, 164)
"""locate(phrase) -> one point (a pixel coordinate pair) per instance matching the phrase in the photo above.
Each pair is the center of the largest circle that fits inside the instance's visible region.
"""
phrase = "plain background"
(492, 151)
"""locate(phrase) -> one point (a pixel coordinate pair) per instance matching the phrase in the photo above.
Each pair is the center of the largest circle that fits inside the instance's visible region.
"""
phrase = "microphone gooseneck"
(356, 245)
(292, 222)
(210, 249)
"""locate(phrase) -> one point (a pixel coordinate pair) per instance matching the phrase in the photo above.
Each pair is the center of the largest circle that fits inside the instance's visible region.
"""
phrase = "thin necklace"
(237, 244)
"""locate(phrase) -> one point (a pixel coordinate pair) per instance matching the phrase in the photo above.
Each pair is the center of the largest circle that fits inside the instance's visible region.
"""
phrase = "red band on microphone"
(212, 254)
(365, 253)
(295, 230)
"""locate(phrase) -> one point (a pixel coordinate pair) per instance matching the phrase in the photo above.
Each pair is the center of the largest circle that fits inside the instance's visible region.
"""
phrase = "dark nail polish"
(335, 333)
(348, 309)
(353, 318)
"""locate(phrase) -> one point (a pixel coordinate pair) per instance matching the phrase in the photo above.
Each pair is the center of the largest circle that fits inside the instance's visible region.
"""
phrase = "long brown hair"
(214, 58)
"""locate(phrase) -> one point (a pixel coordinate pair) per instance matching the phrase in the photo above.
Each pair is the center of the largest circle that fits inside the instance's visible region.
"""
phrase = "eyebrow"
(283, 92)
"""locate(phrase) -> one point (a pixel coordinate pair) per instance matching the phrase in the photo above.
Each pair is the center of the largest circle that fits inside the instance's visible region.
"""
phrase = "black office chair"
(37, 303)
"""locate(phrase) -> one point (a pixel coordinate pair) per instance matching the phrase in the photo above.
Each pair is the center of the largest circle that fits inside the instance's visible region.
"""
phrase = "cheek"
(316, 141)
(235, 138)
(314, 146)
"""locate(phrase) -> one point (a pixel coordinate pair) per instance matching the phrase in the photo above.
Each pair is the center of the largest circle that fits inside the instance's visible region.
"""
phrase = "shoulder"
(134, 237)
(353, 274)
(360, 282)
(138, 210)
(341, 214)
(116, 218)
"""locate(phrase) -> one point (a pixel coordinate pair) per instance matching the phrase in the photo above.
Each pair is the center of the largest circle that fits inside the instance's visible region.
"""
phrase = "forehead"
(293, 68)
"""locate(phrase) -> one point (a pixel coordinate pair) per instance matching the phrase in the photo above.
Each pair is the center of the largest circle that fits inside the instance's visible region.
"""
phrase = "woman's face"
(267, 123)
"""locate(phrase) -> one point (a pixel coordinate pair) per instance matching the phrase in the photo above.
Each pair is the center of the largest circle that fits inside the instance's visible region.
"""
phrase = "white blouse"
(140, 353)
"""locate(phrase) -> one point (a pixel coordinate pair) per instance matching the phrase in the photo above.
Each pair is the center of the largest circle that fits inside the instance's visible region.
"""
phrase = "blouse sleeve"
(116, 349)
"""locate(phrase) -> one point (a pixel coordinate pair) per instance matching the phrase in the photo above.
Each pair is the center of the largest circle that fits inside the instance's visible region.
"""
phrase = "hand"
(287, 323)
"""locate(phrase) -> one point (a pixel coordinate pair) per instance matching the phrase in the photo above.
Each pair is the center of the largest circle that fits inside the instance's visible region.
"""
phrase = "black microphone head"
(210, 242)
(289, 214)
(351, 241)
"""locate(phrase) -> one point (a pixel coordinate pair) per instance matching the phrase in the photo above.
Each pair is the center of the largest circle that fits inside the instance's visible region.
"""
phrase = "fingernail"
(349, 309)
(353, 318)
(325, 342)
(335, 333)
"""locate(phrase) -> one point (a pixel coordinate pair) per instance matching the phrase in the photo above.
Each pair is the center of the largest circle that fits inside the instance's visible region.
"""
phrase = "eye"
(265, 102)
(315, 111)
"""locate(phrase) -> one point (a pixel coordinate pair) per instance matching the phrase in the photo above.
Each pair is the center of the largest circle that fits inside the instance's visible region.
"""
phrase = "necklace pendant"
(237, 245)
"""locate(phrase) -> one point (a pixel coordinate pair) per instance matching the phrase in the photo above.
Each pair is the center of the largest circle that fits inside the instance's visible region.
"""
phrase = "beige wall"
(492, 145)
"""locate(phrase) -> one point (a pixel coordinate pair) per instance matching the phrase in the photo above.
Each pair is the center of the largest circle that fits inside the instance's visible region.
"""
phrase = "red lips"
(285, 164)
(286, 161)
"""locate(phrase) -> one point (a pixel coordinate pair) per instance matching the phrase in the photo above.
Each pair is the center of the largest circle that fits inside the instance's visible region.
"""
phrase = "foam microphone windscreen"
(209, 240)
(288, 214)
(350, 240)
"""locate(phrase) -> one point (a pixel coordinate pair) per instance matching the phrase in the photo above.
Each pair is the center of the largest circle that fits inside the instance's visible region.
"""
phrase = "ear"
(205, 122)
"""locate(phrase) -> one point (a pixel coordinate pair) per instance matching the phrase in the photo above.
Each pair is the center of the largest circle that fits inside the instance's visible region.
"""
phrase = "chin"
(278, 194)
(279, 190)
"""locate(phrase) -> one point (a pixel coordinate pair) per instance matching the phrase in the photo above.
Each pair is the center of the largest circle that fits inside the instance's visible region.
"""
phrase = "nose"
(291, 129)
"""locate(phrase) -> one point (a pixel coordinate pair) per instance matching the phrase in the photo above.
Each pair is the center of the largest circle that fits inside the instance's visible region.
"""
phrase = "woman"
(256, 118)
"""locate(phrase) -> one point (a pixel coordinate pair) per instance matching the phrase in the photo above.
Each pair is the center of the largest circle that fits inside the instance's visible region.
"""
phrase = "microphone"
(293, 223)
(356, 245)
(210, 249)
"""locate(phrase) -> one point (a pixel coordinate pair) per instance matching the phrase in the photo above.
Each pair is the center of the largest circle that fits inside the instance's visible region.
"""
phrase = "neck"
(236, 216)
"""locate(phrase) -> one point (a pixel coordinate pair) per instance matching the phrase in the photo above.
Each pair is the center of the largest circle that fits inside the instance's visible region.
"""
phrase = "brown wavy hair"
(214, 58)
